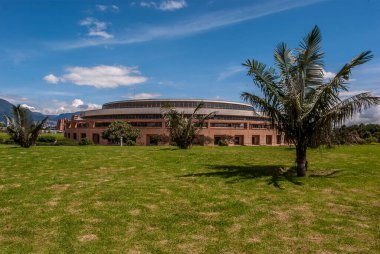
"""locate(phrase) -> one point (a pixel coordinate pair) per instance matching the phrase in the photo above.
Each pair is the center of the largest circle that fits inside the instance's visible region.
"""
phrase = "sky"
(67, 56)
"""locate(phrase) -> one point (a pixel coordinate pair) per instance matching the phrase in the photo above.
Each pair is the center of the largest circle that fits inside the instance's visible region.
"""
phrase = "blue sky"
(65, 56)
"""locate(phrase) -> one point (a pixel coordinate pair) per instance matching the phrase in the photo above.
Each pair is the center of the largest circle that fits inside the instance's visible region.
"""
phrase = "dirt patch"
(53, 202)
(87, 238)
(163, 242)
(165, 191)
(135, 212)
(281, 215)
(235, 228)
(210, 215)
(254, 239)
(316, 238)
(151, 206)
(60, 187)
(5, 209)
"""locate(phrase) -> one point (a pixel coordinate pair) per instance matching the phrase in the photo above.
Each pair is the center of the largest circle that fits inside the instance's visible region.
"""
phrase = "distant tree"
(299, 100)
(184, 128)
(21, 128)
(120, 132)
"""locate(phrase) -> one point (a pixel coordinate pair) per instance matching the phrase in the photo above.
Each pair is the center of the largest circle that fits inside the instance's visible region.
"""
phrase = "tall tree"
(21, 128)
(120, 131)
(300, 100)
(184, 128)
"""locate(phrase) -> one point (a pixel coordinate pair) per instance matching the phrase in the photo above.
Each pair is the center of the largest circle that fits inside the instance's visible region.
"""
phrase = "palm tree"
(22, 129)
(299, 100)
(183, 128)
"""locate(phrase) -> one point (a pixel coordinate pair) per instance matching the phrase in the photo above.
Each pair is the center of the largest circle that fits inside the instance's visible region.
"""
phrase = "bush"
(222, 142)
(85, 142)
(47, 138)
(130, 143)
(5, 138)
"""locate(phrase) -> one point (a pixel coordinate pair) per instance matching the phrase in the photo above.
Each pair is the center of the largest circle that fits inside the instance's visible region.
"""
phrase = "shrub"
(130, 143)
(222, 142)
(85, 142)
(47, 138)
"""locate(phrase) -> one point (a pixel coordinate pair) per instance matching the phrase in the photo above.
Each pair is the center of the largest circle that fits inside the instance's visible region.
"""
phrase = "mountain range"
(6, 108)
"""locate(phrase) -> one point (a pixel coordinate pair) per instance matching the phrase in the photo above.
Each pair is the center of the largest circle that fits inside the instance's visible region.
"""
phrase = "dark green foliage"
(21, 128)
(184, 128)
(121, 129)
(130, 143)
(85, 142)
(47, 138)
(299, 100)
(357, 134)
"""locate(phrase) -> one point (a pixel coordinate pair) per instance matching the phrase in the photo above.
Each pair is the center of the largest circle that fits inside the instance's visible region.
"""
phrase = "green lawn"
(99, 199)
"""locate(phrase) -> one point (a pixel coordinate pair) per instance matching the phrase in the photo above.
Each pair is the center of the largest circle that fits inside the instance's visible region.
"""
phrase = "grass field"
(98, 199)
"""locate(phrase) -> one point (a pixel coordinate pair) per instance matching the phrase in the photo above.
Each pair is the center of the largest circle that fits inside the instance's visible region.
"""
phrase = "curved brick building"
(234, 120)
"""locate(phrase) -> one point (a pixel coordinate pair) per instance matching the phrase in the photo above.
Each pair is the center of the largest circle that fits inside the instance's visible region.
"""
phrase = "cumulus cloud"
(328, 75)
(51, 79)
(77, 103)
(96, 27)
(59, 107)
(141, 96)
(103, 76)
(371, 115)
(165, 5)
(31, 108)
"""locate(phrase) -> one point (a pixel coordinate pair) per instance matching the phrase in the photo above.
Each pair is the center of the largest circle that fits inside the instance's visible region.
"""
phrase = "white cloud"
(51, 79)
(31, 108)
(371, 115)
(165, 5)
(328, 75)
(103, 76)
(229, 72)
(104, 8)
(101, 7)
(141, 96)
(77, 102)
(58, 107)
(171, 5)
(198, 24)
(96, 27)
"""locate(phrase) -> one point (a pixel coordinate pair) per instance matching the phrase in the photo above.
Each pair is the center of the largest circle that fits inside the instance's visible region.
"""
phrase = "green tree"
(120, 132)
(21, 128)
(299, 100)
(184, 128)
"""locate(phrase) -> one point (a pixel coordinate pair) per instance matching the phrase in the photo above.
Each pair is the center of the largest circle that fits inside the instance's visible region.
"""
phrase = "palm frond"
(347, 108)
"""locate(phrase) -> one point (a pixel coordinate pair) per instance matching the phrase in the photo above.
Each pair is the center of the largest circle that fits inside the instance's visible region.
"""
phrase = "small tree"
(21, 128)
(120, 132)
(183, 128)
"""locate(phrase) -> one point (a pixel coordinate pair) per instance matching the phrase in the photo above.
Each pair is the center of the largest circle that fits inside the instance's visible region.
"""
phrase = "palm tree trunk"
(301, 160)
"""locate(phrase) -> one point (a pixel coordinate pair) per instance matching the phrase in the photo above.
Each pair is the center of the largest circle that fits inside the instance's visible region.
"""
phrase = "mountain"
(6, 108)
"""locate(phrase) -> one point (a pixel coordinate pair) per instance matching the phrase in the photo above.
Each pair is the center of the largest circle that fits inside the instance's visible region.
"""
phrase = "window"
(82, 125)
(74, 136)
(269, 139)
(278, 139)
(256, 140)
(228, 125)
(68, 135)
(146, 124)
(83, 135)
(101, 124)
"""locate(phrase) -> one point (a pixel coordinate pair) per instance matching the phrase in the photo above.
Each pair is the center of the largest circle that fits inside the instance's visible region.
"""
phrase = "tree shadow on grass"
(276, 173)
